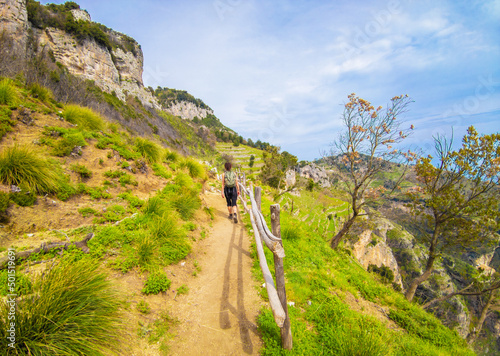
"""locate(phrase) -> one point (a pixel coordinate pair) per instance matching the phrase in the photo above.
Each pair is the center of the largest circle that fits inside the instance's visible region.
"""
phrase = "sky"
(281, 70)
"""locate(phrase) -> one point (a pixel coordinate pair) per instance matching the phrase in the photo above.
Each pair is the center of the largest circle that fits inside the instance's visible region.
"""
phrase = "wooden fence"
(277, 295)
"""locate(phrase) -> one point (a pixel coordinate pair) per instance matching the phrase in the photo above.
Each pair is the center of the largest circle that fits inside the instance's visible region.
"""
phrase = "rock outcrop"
(317, 174)
(113, 70)
(188, 110)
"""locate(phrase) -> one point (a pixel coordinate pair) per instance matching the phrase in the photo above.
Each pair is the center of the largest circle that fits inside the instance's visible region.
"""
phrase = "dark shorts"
(231, 195)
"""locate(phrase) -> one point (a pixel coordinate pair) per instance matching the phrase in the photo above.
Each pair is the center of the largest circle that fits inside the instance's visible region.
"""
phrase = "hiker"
(230, 190)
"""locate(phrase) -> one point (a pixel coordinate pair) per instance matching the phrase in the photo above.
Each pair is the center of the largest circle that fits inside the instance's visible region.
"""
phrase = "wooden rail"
(277, 295)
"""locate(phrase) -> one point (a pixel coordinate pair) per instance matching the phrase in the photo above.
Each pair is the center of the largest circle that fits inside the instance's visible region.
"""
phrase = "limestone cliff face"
(188, 110)
(113, 70)
(317, 174)
(14, 21)
(374, 250)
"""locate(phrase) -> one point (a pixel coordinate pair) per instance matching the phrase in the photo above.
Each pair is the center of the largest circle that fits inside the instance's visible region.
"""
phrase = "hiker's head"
(228, 166)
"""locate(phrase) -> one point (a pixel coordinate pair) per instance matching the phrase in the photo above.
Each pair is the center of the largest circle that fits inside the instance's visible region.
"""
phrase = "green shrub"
(23, 198)
(148, 149)
(196, 170)
(383, 271)
(23, 285)
(42, 93)
(155, 206)
(157, 282)
(127, 179)
(88, 211)
(133, 201)
(143, 307)
(83, 117)
(183, 289)
(6, 122)
(174, 250)
(24, 167)
(73, 311)
(8, 92)
(83, 171)
(146, 248)
(4, 203)
(161, 171)
(114, 174)
(67, 143)
(172, 156)
(66, 189)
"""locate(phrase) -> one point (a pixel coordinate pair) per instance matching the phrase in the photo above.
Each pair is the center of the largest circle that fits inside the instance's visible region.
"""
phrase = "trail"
(218, 315)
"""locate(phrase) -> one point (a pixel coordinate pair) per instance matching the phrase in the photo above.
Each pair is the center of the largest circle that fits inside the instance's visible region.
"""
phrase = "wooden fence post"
(257, 192)
(286, 331)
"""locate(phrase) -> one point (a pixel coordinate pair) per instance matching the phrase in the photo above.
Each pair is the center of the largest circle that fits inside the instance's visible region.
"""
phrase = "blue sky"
(281, 70)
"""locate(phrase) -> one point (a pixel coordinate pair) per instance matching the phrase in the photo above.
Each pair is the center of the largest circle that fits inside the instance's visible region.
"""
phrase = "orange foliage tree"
(363, 149)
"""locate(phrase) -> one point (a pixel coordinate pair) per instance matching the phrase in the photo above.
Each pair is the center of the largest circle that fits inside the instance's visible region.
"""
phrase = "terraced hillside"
(240, 157)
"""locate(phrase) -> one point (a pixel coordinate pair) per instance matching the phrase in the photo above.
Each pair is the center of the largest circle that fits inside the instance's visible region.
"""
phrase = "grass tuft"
(42, 93)
(83, 117)
(8, 92)
(148, 149)
(24, 167)
(73, 311)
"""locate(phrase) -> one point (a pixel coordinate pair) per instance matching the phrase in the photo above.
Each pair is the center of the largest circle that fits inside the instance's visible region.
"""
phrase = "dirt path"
(218, 315)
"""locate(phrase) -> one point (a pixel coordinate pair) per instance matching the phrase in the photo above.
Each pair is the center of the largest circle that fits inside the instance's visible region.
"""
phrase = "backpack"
(229, 179)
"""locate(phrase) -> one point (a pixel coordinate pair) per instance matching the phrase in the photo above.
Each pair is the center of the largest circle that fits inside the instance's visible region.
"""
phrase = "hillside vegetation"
(142, 204)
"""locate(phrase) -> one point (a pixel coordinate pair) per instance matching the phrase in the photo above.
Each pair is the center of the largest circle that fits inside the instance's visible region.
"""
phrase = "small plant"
(146, 250)
(114, 174)
(23, 198)
(6, 121)
(143, 307)
(83, 117)
(184, 289)
(83, 171)
(127, 179)
(196, 170)
(88, 211)
(161, 171)
(172, 156)
(157, 282)
(190, 226)
(8, 92)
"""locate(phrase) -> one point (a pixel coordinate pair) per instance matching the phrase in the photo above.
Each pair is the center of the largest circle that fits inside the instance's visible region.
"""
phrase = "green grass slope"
(338, 308)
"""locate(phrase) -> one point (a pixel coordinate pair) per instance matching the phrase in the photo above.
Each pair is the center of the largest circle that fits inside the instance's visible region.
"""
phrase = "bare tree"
(364, 148)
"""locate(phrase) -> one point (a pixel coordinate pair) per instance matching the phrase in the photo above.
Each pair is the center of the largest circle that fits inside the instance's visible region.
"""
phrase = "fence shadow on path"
(245, 326)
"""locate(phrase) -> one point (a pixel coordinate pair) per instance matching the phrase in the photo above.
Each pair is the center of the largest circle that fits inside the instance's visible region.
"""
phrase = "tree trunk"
(340, 235)
(410, 293)
(484, 312)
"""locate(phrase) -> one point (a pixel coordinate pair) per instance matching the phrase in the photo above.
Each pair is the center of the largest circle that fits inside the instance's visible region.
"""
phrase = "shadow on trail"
(245, 326)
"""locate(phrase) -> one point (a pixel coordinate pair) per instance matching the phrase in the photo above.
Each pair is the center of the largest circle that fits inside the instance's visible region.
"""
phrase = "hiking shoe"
(230, 216)
(235, 219)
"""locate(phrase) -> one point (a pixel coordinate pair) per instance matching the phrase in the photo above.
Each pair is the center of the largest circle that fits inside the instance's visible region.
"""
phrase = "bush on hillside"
(83, 117)
(8, 92)
(148, 149)
(42, 93)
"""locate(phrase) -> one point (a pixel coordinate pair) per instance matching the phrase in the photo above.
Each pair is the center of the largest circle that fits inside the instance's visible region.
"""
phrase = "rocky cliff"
(113, 69)
(188, 110)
